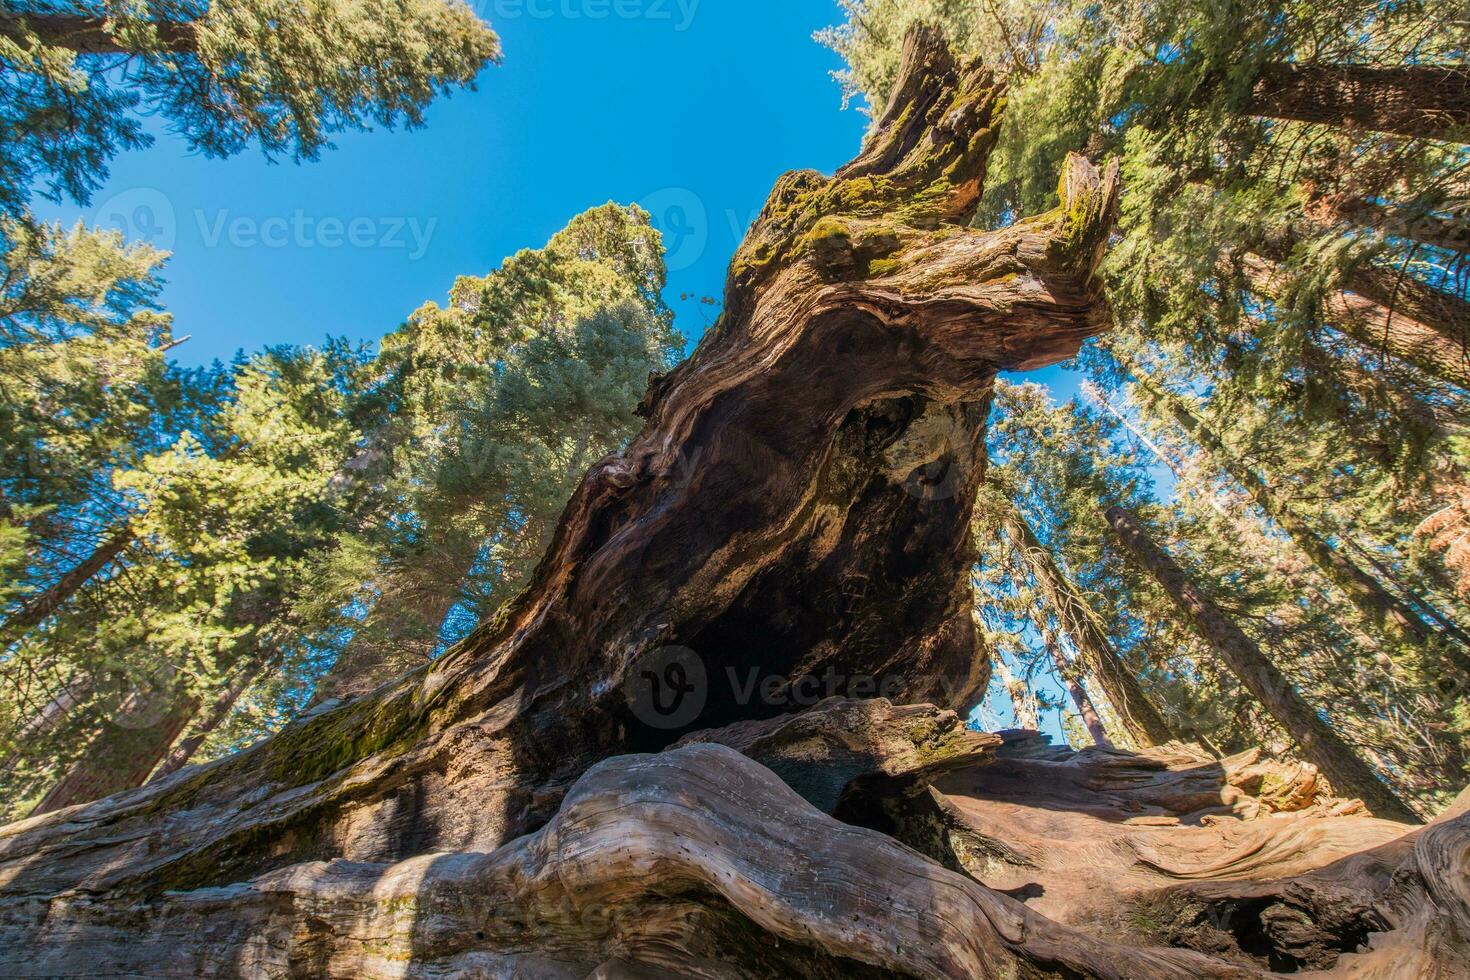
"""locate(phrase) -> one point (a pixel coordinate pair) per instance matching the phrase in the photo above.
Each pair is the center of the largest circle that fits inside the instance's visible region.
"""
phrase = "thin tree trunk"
(35, 610)
(205, 725)
(1391, 617)
(1430, 101)
(1091, 720)
(89, 35)
(1023, 702)
(1145, 725)
(58, 709)
(1432, 613)
(1380, 328)
(53, 715)
(1319, 742)
(1451, 234)
(124, 751)
(1096, 394)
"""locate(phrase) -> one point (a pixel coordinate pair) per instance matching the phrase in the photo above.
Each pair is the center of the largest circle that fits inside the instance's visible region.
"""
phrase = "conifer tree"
(76, 78)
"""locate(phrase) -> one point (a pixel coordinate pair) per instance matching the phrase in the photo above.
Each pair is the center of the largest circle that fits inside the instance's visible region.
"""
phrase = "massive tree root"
(792, 523)
(696, 861)
(1247, 858)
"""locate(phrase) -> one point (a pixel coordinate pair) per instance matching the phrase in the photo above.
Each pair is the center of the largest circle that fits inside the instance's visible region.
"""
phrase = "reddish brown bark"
(1378, 328)
(90, 35)
(1430, 101)
(1067, 674)
(124, 751)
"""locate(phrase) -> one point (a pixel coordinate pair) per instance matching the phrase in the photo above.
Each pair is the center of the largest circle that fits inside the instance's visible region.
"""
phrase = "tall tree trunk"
(1430, 101)
(1023, 701)
(1380, 607)
(794, 518)
(38, 608)
(1320, 744)
(1380, 328)
(1394, 289)
(1414, 223)
(209, 720)
(1091, 720)
(399, 634)
(129, 746)
(56, 711)
(124, 750)
(1145, 725)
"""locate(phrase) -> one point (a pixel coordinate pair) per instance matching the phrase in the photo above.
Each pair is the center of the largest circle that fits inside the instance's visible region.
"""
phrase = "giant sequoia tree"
(796, 508)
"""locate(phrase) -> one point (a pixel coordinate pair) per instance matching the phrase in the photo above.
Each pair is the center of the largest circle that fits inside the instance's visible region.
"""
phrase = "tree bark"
(56, 711)
(1379, 328)
(1398, 221)
(90, 35)
(1146, 726)
(1431, 101)
(1380, 607)
(1023, 701)
(1403, 295)
(124, 751)
(34, 611)
(1320, 744)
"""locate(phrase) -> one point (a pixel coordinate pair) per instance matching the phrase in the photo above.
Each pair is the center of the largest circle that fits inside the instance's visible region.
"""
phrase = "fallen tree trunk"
(697, 862)
(793, 522)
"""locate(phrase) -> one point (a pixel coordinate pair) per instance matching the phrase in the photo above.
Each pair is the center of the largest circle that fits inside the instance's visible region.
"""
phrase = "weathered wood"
(1244, 857)
(799, 504)
(844, 755)
(696, 861)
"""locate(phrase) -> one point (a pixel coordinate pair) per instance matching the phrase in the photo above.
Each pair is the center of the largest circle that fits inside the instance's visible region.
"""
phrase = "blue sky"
(693, 106)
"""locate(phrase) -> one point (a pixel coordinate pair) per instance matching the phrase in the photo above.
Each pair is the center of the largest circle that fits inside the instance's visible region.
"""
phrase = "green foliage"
(279, 74)
(478, 422)
(1239, 232)
(302, 505)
